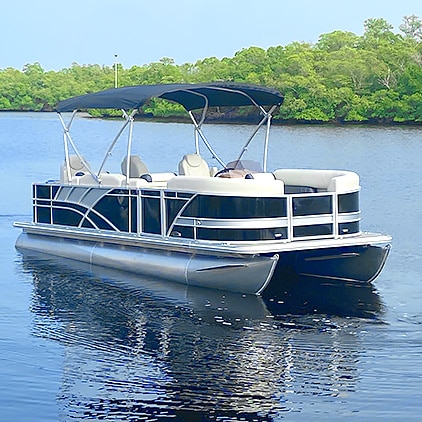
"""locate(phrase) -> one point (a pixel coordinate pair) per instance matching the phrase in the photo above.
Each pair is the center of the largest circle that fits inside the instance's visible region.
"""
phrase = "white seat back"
(77, 167)
(136, 166)
(193, 165)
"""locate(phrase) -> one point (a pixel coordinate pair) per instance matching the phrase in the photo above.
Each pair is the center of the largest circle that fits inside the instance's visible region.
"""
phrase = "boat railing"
(312, 215)
(212, 208)
(317, 204)
(322, 214)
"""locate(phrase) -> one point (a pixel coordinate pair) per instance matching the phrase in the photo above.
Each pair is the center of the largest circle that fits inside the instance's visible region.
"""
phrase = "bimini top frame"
(190, 96)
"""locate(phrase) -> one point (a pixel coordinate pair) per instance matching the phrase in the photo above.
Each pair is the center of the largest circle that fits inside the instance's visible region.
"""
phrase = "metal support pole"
(68, 139)
(115, 71)
(204, 139)
(267, 136)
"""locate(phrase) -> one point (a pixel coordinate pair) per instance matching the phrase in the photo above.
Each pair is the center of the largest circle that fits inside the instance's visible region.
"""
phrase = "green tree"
(377, 29)
(338, 40)
(412, 27)
(250, 65)
(15, 90)
(164, 71)
(210, 69)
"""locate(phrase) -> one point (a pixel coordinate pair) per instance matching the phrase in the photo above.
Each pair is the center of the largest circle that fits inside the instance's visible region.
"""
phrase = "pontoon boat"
(236, 226)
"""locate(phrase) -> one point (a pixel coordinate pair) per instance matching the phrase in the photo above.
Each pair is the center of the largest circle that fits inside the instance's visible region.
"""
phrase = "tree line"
(343, 77)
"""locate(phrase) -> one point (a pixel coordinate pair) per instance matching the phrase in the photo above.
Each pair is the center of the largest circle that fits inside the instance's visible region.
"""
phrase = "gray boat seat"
(77, 168)
(136, 166)
(193, 165)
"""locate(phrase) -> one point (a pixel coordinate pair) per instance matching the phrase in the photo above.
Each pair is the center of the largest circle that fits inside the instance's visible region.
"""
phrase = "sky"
(58, 33)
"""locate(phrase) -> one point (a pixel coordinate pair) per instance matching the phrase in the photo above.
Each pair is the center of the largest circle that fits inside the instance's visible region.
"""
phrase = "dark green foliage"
(376, 77)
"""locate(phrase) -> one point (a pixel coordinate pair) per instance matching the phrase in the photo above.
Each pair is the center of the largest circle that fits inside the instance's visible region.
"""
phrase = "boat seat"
(323, 180)
(105, 179)
(224, 186)
(136, 166)
(193, 165)
(260, 176)
(158, 180)
(138, 183)
(77, 168)
(83, 179)
(158, 177)
(112, 179)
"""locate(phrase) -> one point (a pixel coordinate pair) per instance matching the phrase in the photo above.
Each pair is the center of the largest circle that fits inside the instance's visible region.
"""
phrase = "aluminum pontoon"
(238, 227)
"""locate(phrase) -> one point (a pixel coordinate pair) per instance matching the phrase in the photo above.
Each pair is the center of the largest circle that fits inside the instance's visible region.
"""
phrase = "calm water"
(80, 343)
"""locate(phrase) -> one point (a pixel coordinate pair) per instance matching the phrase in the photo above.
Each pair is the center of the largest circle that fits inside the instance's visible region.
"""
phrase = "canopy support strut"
(128, 121)
(67, 139)
(265, 119)
(198, 131)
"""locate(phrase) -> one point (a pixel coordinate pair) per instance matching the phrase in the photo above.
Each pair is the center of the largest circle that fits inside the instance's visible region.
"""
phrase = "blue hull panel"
(350, 263)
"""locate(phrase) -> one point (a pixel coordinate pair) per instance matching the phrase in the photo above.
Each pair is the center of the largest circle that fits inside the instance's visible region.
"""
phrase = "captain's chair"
(77, 168)
(136, 166)
(193, 165)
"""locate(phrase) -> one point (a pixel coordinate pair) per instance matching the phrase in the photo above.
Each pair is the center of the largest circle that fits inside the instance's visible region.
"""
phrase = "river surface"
(80, 343)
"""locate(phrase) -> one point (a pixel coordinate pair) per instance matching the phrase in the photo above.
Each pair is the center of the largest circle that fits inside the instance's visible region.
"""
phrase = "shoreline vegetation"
(343, 78)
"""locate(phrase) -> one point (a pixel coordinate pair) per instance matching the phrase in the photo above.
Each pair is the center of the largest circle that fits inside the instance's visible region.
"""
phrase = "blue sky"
(57, 33)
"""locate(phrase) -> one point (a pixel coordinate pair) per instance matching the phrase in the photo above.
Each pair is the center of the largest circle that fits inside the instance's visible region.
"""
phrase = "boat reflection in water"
(141, 348)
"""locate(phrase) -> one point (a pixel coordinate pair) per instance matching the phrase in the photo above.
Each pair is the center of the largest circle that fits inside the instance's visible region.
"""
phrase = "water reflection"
(139, 348)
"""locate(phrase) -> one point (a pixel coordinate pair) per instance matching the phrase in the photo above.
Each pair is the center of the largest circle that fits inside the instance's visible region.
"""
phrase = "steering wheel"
(222, 171)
